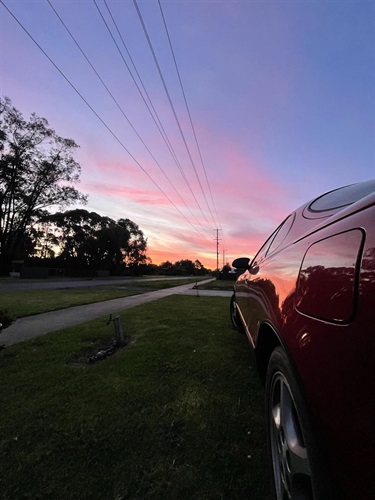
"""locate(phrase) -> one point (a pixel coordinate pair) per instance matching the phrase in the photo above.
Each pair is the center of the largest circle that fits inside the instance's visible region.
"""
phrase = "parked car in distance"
(306, 301)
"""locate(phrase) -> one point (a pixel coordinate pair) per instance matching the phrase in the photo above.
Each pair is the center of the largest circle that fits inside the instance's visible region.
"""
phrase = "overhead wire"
(172, 106)
(190, 117)
(169, 145)
(122, 111)
(96, 114)
(188, 111)
(144, 100)
(161, 130)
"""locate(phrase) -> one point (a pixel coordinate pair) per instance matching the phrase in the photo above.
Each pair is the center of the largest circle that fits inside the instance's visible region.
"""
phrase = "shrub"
(6, 319)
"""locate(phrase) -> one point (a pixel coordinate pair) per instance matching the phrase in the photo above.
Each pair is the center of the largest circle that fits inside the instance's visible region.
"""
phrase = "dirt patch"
(96, 352)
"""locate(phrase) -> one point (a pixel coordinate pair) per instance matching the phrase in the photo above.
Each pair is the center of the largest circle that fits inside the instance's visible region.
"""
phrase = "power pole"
(217, 248)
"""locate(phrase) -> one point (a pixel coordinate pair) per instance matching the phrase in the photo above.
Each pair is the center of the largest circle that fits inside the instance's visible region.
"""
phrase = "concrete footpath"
(41, 324)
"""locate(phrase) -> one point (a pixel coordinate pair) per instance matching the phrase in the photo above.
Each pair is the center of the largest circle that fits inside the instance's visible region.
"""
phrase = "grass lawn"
(28, 302)
(217, 285)
(178, 414)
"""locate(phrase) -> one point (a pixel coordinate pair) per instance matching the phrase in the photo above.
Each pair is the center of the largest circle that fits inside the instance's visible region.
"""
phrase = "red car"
(307, 304)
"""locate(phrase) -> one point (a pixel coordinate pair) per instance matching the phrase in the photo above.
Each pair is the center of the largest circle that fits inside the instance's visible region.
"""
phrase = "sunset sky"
(281, 95)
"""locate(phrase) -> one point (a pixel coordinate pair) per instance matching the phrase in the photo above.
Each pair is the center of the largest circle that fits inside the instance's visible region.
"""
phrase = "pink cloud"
(179, 251)
(250, 202)
(135, 195)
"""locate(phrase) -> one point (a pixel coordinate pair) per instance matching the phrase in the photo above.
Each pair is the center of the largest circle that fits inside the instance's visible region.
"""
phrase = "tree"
(43, 240)
(226, 268)
(199, 268)
(37, 170)
(166, 268)
(184, 267)
(88, 240)
(135, 250)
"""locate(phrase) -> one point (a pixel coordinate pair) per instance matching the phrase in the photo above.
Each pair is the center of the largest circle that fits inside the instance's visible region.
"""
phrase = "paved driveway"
(41, 324)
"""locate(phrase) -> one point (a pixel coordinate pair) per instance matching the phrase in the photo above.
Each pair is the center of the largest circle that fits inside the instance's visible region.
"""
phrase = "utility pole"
(217, 249)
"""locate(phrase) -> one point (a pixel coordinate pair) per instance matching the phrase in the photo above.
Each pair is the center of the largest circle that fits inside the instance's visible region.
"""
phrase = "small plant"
(6, 319)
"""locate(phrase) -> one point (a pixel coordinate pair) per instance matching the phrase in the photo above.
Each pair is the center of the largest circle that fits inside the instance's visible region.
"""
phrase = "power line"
(144, 100)
(171, 105)
(96, 114)
(122, 111)
(188, 111)
(189, 114)
(190, 117)
(162, 130)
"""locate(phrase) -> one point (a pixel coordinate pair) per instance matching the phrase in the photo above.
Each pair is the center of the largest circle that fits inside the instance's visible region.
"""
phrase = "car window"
(281, 234)
(342, 197)
(263, 250)
(275, 240)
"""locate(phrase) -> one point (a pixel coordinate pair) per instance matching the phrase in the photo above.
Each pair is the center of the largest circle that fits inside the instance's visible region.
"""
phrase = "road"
(10, 285)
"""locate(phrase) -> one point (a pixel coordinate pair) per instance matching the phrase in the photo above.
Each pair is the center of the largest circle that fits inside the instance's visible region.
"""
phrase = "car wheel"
(288, 431)
(235, 320)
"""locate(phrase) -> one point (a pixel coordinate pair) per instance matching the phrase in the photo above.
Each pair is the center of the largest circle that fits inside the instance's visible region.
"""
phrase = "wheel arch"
(267, 341)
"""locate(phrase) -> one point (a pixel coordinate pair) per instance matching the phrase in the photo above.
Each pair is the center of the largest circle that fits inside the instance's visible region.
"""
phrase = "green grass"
(28, 302)
(217, 285)
(178, 414)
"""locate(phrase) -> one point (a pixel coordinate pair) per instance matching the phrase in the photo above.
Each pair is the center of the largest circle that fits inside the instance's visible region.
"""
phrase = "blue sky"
(281, 93)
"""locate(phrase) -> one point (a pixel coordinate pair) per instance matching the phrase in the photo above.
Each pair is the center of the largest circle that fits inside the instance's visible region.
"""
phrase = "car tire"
(234, 318)
(298, 469)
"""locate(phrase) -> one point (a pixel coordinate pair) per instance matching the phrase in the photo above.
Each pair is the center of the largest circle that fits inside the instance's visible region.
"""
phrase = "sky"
(232, 115)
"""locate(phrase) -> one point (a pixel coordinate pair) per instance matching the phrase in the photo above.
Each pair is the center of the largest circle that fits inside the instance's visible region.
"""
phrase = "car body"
(306, 301)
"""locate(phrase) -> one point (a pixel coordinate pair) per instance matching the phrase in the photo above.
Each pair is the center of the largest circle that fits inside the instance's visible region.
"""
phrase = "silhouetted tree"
(226, 268)
(183, 267)
(135, 250)
(88, 240)
(199, 268)
(166, 267)
(37, 170)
